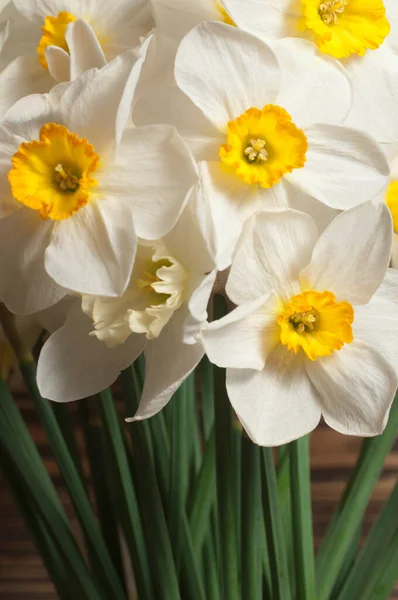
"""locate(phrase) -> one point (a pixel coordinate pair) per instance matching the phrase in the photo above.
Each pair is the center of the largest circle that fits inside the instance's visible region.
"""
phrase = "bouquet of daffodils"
(199, 204)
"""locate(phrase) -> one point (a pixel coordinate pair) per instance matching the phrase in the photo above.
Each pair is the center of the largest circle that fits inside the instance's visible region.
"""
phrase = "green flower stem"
(274, 530)
(303, 541)
(349, 514)
(100, 559)
(252, 522)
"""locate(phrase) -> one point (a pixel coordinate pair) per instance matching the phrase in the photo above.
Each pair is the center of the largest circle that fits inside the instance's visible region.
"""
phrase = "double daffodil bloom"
(266, 126)
(78, 187)
(164, 306)
(51, 42)
(361, 34)
(315, 330)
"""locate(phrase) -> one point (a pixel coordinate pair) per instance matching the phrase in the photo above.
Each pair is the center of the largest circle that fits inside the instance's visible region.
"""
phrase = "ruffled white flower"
(315, 331)
(164, 305)
(266, 125)
(57, 41)
(362, 35)
(78, 188)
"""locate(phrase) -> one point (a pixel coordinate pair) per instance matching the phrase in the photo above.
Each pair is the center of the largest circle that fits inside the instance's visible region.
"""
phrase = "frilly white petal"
(58, 62)
(84, 48)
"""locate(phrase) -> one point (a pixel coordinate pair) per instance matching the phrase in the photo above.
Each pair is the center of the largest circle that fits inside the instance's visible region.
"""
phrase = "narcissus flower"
(164, 304)
(390, 196)
(362, 34)
(57, 41)
(315, 330)
(270, 129)
(77, 188)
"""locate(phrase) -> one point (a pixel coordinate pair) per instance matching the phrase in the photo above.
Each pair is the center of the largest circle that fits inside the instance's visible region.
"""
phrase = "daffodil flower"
(269, 129)
(164, 306)
(361, 34)
(78, 188)
(52, 42)
(390, 196)
(315, 330)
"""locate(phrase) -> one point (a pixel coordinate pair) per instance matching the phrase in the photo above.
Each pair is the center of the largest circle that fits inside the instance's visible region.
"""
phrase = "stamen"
(67, 181)
(256, 152)
(303, 322)
(330, 9)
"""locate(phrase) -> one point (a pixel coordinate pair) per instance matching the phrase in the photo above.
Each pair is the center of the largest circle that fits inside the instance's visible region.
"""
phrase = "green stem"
(226, 487)
(300, 480)
(337, 541)
(252, 522)
(274, 530)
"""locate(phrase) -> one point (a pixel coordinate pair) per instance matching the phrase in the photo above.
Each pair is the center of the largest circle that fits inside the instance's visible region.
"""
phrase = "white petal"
(298, 200)
(271, 20)
(356, 387)
(226, 204)
(174, 18)
(97, 104)
(225, 71)
(278, 404)
(9, 144)
(154, 170)
(25, 286)
(374, 80)
(315, 88)
(58, 62)
(344, 166)
(93, 251)
(197, 306)
(84, 48)
(353, 271)
(392, 15)
(271, 252)
(394, 260)
(74, 365)
(22, 77)
(168, 362)
(377, 322)
(244, 338)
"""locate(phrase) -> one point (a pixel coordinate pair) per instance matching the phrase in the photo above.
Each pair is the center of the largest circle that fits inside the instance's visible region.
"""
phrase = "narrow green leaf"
(274, 530)
(98, 552)
(300, 480)
(342, 528)
(16, 439)
(129, 510)
(226, 484)
(371, 555)
(207, 395)
(252, 522)
(388, 571)
(65, 424)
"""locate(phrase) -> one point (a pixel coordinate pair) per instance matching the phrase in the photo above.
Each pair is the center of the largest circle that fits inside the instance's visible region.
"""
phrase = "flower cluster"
(156, 153)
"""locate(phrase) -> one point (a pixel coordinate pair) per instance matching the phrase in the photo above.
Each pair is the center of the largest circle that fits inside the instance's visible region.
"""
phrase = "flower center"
(315, 322)
(53, 175)
(330, 10)
(392, 202)
(345, 27)
(263, 145)
(54, 30)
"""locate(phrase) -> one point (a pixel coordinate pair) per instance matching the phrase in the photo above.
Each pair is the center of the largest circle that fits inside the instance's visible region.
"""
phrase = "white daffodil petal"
(174, 18)
(97, 104)
(24, 237)
(225, 71)
(271, 20)
(356, 387)
(26, 117)
(315, 88)
(278, 404)
(298, 200)
(392, 15)
(353, 273)
(376, 323)
(37, 10)
(93, 251)
(23, 76)
(270, 254)
(84, 48)
(9, 144)
(394, 259)
(58, 62)
(154, 170)
(374, 80)
(344, 166)
(168, 362)
(74, 364)
(197, 306)
(227, 203)
(244, 338)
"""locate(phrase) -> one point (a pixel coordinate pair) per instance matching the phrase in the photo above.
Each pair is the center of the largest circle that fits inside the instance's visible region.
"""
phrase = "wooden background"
(23, 577)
